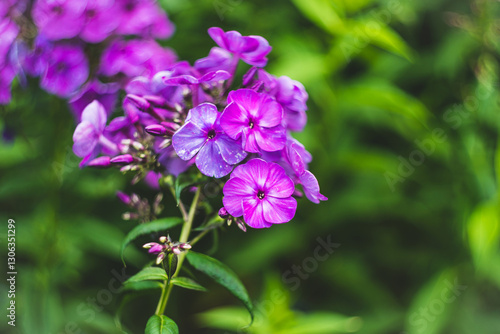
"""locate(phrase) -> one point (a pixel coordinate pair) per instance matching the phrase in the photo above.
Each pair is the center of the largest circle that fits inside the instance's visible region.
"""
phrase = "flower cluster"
(76, 46)
(198, 115)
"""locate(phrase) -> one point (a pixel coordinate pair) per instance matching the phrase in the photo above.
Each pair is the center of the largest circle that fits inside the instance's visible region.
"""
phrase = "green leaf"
(146, 228)
(160, 324)
(142, 285)
(187, 283)
(148, 274)
(223, 275)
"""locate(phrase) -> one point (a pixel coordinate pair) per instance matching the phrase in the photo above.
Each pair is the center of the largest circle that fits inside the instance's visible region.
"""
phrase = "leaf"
(160, 324)
(142, 285)
(148, 274)
(322, 13)
(223, 275)
(146, 228)
(187, 283)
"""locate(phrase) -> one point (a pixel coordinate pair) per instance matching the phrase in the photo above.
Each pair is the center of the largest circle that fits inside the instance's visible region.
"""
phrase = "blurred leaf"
(223, 275)
(158, 225)
(187, 283)
(183, 181)
(324, 323)
(322, 13)
(160, 324)
(228, 318)
(483, 231)
(148, 274)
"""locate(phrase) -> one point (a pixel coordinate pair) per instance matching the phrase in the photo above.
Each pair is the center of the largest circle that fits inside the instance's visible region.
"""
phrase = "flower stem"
(186, 230)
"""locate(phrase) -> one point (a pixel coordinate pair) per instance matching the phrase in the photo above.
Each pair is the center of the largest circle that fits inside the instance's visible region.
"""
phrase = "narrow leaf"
(161, 325)
(142, 285)
(187, 283)
(223, 275)
(146, 228)
(148, 274)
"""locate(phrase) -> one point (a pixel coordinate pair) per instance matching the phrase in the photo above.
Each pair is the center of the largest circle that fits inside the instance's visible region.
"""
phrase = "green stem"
(186, 230)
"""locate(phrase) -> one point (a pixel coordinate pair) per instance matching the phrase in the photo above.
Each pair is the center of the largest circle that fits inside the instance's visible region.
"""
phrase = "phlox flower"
(256, 118)
(261, 192)
(202, 135)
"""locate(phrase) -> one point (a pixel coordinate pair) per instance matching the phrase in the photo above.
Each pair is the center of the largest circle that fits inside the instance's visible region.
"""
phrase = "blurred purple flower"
(135, 58)
(8, 32)
(261, 192)
(106, 94)
(100, 20)
(256, 118)
(143, 17)
(59, 19)
(202, 135)
(67, 70)
(7, 74)
(251, 49)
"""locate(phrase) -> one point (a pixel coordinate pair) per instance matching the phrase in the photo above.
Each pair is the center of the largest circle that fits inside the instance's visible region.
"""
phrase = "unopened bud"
(166, 143)
(163, 239)
(241, 225)
(156, 130)
(138, 146)
(170, 127)
(139, 102)
(176, 250)
(123, 159)
(148, 245)
(185, 245)
(160, 258)
(129, 216)
(123, 197)
(101, 162)
(223, 213)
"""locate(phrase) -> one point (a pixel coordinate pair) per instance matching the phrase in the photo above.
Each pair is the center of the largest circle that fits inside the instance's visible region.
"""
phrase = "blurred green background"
(403, 128)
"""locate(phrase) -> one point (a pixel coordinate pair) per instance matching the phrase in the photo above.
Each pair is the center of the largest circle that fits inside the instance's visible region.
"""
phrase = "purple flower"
(59, 19)
(261, 192)
(100, 20)
(35, 61)
(143, 16)
(67, 70)
(106, 94)
(8, 33)
(215, 76)
(251, 49)
(202, 135)
(256, 118)
(218, 60)
(135, 57)
(88, 134)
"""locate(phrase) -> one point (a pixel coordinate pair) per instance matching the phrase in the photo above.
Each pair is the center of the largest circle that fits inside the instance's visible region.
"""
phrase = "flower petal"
(248, 99)
(249, 141)
(279, 210)
(204, 116)
(85, 139)
(230, 149)
(278, 184)
(188, 140)
(95, 113)
(233, 119)
(311, 187)
(235, 190)
(209, 161)
(253, 213)
(270, 113)
(271, 139)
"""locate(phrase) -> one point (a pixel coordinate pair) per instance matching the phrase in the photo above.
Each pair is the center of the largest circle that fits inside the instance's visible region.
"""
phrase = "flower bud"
(170, 127)
(241, 225)
(160, 258)
(163, 239)
(156, 130)
(139, 102)
(124, 159)
(101, 162)
(184, 245)
(176, 250)
(223, 213)
(138, 146)
(129, 216)
(123, 197)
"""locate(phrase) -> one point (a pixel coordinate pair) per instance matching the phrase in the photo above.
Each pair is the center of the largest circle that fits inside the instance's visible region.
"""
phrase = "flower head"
(202, 135)
(256, 118)
(100, 20)
(251, 49)
(67, 70)
(59, 19)
(261, 192)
